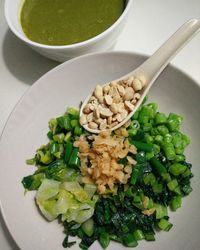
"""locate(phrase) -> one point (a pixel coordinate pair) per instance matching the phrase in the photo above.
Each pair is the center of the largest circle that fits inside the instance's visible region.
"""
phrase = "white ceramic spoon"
(154, 65)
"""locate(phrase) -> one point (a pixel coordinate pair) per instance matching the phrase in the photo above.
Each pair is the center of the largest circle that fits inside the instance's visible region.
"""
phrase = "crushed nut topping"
(112, 103)
(100, 159)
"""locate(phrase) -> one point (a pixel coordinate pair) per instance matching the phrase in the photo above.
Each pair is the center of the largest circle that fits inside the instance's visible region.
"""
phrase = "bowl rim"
(70, 46)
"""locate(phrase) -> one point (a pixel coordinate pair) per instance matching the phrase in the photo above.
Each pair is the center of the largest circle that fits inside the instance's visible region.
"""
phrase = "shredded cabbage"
(68, 199)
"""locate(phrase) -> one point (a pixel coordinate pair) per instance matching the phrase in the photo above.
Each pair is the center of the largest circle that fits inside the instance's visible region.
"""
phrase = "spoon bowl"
(149, 71)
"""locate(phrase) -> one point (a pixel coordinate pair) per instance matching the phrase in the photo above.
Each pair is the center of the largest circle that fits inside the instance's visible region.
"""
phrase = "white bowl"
(64, 86)
(101, 42)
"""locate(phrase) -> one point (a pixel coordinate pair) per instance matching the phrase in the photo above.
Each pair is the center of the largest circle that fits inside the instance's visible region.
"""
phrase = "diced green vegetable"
(129, 240)
(160, 178)
(30, 161)
(88, 227)
(138, 235)
(147, 147)
(74, 160)
(160, 118)
(104, 239)
(159, 167)
(68, 151)
(149, 236)
(161, 211)
(176, 202)
(164, 225)
(177, 169)
(172, 184)
(32, 182)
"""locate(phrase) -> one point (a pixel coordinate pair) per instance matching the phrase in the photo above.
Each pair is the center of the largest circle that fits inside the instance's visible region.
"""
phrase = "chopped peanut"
(114, 100)
(104, 154)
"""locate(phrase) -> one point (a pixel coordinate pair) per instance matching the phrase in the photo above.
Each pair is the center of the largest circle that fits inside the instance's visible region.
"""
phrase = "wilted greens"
(159, 181)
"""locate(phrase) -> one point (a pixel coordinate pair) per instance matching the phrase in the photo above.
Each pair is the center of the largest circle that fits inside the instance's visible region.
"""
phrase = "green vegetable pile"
(159, 181)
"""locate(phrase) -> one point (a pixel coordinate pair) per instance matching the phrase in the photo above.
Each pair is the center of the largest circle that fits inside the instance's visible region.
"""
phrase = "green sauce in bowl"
(64, 22)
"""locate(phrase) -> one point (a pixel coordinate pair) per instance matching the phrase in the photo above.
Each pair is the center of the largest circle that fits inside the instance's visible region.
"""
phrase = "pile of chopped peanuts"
(111, 103)
(100, 155)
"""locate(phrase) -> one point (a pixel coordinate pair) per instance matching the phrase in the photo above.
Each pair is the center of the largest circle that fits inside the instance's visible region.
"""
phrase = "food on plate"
(100, 157)
(111, 103)
(67, 22)
(114, 186)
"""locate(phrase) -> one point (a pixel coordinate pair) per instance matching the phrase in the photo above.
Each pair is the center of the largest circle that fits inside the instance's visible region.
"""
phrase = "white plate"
(65, 86)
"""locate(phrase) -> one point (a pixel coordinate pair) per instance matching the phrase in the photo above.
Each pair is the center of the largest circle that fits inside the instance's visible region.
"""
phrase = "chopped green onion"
(174, 122)
(147, 147)
(129, 240)
(159, 167)
(149, 179)
(54, 148)
(163, 130)
(187, 189)
(149, 236)
(68, 151)
(74, 123)
(169, 151)
(64, 122)
(138, 234)
(157, 188)
(74, 160)
(104, 239)
(161, 211)
(172, 184)
(176, 202)
(177, 169)
(135, 174)
(164, 225)
(30, 161)
(32, 182)
(160, 118)
(166, 177)
(73, 112)
(78, 130)
(59, 137)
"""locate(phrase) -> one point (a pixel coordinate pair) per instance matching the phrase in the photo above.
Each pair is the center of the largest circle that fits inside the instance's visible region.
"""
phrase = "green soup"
(62, 22)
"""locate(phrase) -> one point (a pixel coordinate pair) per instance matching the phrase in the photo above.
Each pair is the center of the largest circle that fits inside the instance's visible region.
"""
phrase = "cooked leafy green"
(159, 180)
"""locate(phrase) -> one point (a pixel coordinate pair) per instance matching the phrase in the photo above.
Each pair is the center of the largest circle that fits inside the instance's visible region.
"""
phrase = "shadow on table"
(23, 62)
(7, 235)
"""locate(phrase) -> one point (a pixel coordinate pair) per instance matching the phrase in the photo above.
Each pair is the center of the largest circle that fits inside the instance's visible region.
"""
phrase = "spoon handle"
(153, 66)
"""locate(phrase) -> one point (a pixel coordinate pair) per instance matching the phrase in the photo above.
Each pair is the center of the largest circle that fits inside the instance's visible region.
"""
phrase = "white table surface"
(151, 22)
